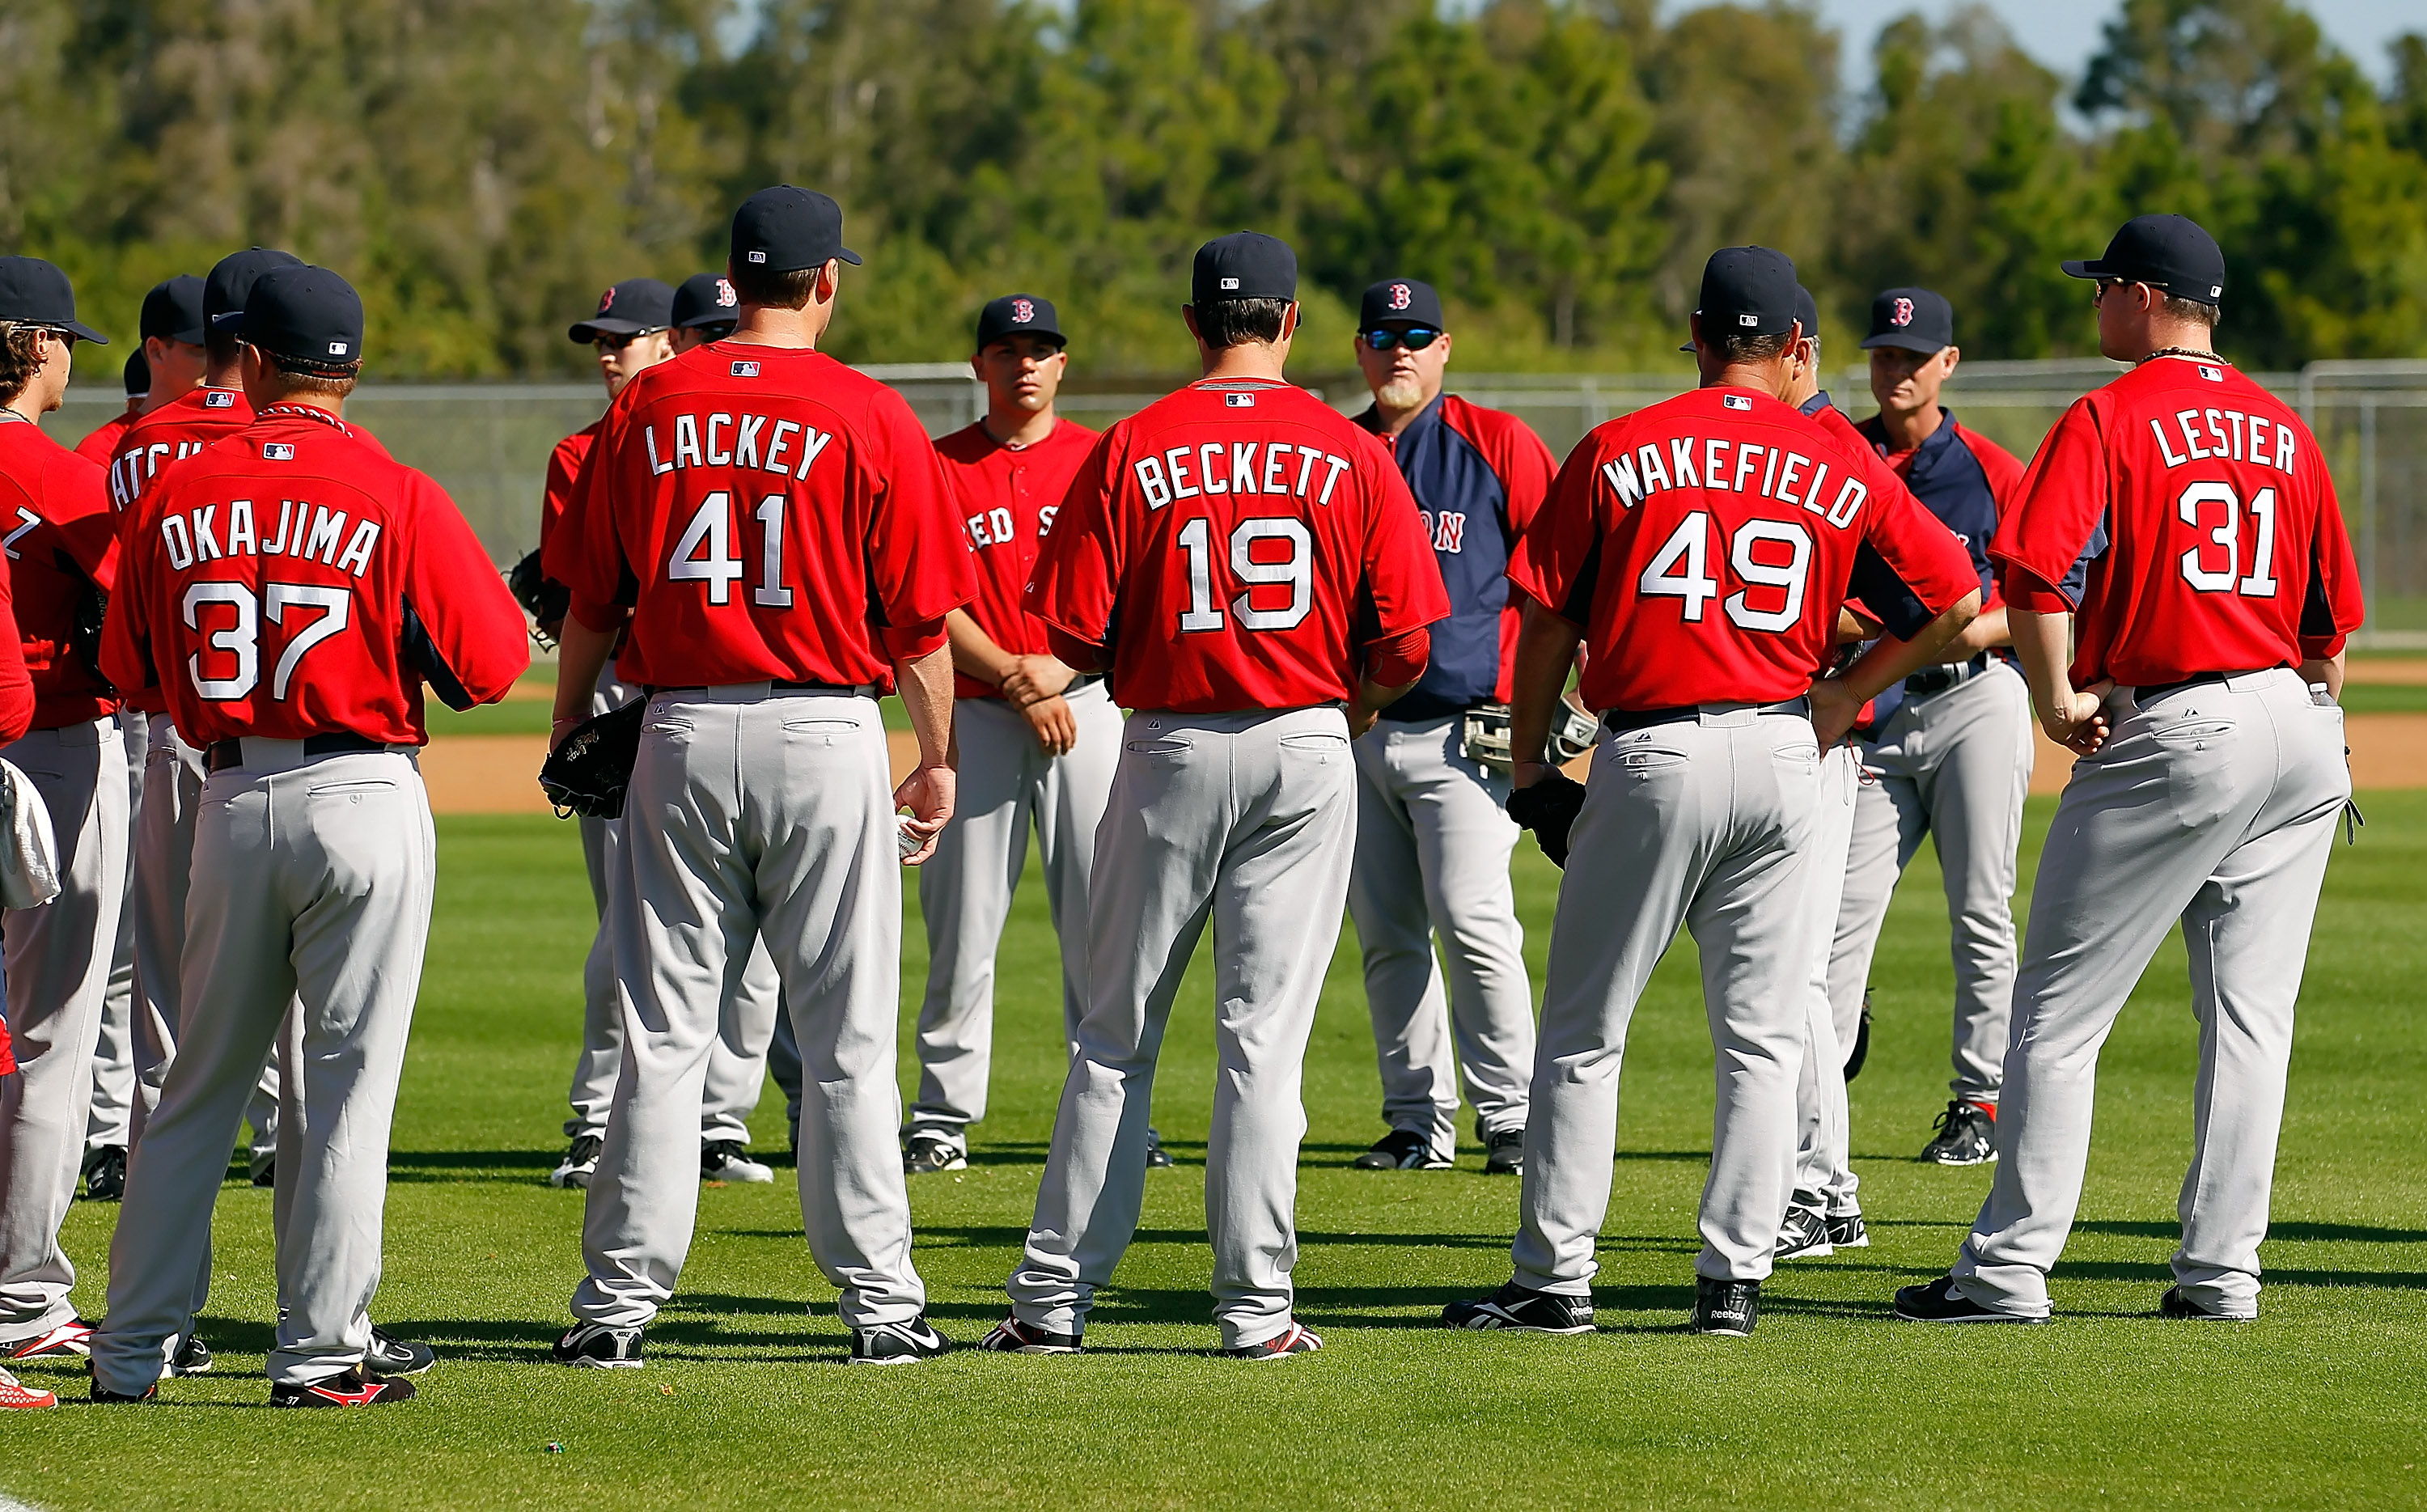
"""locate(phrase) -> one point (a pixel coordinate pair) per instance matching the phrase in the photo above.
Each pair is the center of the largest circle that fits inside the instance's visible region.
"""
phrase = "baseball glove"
(544, 598)
(83, 629)
(1549, 809)
(588, 773)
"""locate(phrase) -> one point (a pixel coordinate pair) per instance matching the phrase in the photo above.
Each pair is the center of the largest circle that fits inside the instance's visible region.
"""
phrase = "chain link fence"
(488, 444)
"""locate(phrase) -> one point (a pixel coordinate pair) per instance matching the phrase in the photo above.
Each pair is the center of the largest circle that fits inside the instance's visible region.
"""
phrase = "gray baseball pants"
(162, 869)
(1432, 860)
(1824, 1172)
(2214, 805)
(1705, 823)
(736, 1065)
(58, 966)
(965, 889)
(754, 814)
(1954, 765)
(1243, 822)
(113, 1060)
(329, 864)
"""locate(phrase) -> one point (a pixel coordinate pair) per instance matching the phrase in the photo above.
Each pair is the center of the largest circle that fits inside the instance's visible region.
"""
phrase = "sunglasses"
(1415, 339)
(2100, 289)
(606, 343)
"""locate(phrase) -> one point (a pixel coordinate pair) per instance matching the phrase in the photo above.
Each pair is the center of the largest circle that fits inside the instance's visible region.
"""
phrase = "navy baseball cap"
(1807, 314)
(1245, 265)
(2166, 252)
(1915, 319)
(36, 293)
(1396, 303)
(1018, 315)
(784, 229)
(307, 317)
(173, 311)
(231, 282)
(1748, 291)
(705, 300)
(627, 309)
(138, 374)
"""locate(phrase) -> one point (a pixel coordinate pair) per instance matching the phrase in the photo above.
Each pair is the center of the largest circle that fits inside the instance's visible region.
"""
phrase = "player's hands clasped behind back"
(927, 793)
(2077, 721)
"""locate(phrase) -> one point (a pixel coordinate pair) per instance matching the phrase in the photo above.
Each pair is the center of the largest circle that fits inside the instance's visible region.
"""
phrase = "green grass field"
(745, 1403)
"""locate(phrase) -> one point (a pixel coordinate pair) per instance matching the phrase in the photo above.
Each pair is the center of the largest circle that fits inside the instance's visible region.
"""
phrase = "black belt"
(1620, 721)
(2142, 697)
(219, 755)
(832, 690)
(1930, 680)
(1084, 679)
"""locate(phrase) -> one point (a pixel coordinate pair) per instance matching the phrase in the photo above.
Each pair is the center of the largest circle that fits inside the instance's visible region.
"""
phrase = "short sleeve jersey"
(1705, 545)
(1237, 545)
(61, 545)
(1007, 497)
(2187, 516)
(564, 467)
(765, 511)
(293, 579)
(170, 433)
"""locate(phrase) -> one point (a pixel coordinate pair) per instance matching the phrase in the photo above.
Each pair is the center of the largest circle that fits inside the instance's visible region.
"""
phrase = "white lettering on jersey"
(9, 542)
(2223, 435)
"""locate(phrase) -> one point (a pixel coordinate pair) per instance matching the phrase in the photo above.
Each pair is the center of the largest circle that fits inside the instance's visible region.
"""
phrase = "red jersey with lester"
(1706, 543)
(769, 513)
(2186, 515)
(1007, 499)
(1237, 545)
(295, 580)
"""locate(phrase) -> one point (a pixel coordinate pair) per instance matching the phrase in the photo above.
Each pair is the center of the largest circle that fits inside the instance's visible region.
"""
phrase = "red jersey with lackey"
(1007, 498)
(767, 512)
(2186, 515)
(564, 467)
(1237, 545)
(56, 528)
(102, 443)
(293, 579)
(1705, 545)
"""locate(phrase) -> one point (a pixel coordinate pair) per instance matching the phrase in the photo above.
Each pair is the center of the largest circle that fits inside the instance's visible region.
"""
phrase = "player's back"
(169, 434)
(1236, 542)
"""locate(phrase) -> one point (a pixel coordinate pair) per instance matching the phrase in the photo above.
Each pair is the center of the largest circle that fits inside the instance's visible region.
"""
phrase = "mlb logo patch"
(218, 399)
(758, 258)
(1747, 319)
(1735, 401)
(2214, 375)
(746, 370)
(277, 451)
(1229, 283)
(1240, 402)
(336, 349)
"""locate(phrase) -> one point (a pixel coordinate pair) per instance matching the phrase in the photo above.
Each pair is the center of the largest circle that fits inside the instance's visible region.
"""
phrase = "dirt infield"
(498, 773)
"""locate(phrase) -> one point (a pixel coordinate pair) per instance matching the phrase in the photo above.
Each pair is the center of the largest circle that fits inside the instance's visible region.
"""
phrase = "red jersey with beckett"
(1007, 497)
(2187, 515)
(564, 467)
(170, 433)
(55, 527)
(1237, 545)
(1705, 545)
(768, 513)
(294, 580)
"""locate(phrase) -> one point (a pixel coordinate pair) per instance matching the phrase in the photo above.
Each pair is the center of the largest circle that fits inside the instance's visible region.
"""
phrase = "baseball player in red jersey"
(634, 329)
(1251, 567)
(766, 519)
(1037, 740)
(295, 645)
(16, 714)
(98, 442)
(2178, 527)
(55, 526)
(1703, 549)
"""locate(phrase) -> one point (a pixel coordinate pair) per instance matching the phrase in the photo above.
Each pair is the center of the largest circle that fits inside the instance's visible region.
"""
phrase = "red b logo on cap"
(725, 295)
(607, 301)
(1401, 297)
(1023, 311)
(1902, 314)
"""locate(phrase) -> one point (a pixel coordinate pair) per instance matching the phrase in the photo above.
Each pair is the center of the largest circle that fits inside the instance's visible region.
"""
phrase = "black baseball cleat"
(1013, 1336)
(1726, 1309)
(1805, 1235)
(1402, 1150)
(599, 1346)
(579, 1165)
(1294, 1340)
(104, 1174)
(1861, 1051)
(897, 1343)
(264, 1171)
(391, 1356)
(74, 1336)
(728, 1160)
(1504, 1153)
(1846, 1231)
(356, 1388)
(1516, 1309)
(926, 1153)
(2175, 1305)
(1967, 1134)
(96, 1394)
(1157, 1158)
(193, 1357)
(1939, 1302)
